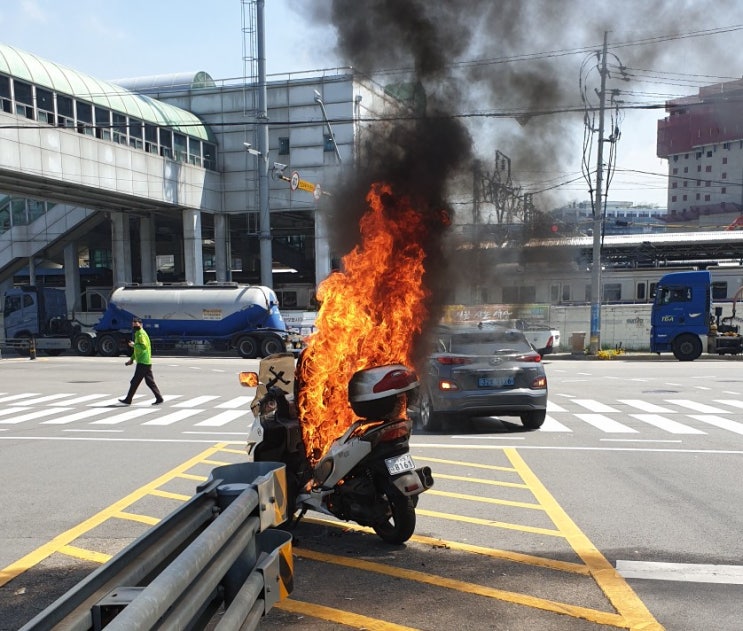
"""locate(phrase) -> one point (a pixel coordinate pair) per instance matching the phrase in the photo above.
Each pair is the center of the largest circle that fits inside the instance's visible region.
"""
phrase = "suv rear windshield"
(483, 342)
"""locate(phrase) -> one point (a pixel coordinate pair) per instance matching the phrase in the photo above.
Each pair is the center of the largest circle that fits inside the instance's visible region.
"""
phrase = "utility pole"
(598, 218)
(266, 255)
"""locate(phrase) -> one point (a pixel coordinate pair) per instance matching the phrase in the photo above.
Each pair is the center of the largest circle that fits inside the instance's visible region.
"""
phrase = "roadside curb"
(636, 356)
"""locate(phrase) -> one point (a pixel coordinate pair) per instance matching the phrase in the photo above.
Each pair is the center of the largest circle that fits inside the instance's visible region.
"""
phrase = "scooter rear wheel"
(400, 524)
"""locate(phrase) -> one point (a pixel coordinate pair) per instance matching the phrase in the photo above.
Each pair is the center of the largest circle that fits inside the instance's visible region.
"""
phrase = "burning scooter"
(366, 475)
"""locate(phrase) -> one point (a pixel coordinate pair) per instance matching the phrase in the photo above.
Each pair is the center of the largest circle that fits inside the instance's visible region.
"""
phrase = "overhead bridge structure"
(77, 153)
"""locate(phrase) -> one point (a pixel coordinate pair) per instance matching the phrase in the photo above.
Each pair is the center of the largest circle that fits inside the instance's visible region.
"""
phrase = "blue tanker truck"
(223, 316)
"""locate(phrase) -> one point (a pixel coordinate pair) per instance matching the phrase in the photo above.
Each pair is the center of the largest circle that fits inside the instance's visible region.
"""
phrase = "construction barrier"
(218, 553)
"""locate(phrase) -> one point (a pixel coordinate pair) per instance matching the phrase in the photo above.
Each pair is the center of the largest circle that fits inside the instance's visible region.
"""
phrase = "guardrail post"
(32, 348)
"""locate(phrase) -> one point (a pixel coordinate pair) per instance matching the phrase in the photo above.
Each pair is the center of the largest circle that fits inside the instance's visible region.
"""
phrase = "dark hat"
(136, 319)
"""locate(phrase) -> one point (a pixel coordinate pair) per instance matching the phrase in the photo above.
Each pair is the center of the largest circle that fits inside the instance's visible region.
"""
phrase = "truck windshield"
(667, 295)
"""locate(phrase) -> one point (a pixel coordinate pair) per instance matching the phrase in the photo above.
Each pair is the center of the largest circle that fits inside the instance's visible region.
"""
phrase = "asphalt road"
(633, 475)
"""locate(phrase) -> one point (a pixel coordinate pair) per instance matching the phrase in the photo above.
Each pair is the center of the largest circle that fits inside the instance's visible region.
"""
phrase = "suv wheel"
(430, 420)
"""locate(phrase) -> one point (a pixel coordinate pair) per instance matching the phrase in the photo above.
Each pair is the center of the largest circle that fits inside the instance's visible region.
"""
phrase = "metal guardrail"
(217, 552)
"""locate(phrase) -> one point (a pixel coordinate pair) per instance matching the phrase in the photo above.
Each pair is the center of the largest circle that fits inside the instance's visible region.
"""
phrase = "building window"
(612, 292)
(84, 118)
(675, 170)
(166, 143)
(686, 156)
(709, 154)
(102, 123)
(675, 158)
(707, 183)
(65, 111)
(136, 128)
(706, 198)
(673, 198)
(725, 145)
(6, 103)
(699, 168)
(699, 154)
(725, 160)
(24, 99)
(684, 198)
(686, 183)
(210, 155)
(686, 169)
(723, 190)
(119, 128)
(708, 168)
(724, 175)
(283, 145)
(179, 147)
(45, 106)
(698, 197)
(673, 184)
(150, 138)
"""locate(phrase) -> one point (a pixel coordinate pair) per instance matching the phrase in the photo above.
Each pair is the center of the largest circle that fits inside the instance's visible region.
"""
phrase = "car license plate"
(495, 382)
(400, 464)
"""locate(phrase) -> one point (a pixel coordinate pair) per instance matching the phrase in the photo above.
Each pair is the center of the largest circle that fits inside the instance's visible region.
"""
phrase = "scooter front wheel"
(400, 523)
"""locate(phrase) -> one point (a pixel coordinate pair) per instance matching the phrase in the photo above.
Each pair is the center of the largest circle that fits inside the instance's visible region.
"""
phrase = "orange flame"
(370, 314)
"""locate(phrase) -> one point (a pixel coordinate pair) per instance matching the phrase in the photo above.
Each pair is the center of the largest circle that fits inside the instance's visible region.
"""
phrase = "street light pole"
(266, 255)
(598, 219)
(319, 101)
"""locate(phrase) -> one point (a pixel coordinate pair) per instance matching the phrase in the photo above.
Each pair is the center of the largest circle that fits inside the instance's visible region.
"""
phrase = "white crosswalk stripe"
(719, 421)
(681, 417)
(169, 419)
(30, 416)
(696, 406)
(594, 406)
(196, 402)
(221, 419)
(673, 427)
(606, 424)
(646, 406)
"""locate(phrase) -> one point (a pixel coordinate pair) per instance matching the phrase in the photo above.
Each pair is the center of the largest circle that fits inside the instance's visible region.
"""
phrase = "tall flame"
(370, 315)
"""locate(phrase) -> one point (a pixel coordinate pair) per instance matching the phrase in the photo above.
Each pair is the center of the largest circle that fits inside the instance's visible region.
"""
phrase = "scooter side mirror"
(248, 379)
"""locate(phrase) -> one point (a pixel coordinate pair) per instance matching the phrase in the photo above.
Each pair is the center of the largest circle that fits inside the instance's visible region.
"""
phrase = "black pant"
(143, 371)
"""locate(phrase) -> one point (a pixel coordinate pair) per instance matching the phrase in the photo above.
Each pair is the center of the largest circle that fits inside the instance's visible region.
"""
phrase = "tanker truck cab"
(681, 317)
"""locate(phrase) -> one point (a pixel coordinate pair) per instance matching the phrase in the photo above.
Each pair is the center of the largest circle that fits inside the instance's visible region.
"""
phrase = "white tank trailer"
(226, 316)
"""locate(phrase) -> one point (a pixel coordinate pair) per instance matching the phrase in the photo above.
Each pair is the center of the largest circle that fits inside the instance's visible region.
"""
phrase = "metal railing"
(217, 553)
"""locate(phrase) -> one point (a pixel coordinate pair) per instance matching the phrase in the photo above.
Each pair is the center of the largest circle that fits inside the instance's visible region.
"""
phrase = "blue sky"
(116, 39)
(121, 39)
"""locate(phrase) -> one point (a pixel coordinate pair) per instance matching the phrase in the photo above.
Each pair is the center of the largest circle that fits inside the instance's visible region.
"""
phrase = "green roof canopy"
(28, 67)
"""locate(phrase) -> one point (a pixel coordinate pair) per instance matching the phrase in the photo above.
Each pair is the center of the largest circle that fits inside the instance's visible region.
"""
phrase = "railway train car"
(515, 284)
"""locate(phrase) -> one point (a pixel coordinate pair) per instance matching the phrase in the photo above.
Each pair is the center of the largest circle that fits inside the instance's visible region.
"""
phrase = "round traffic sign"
(294, 182)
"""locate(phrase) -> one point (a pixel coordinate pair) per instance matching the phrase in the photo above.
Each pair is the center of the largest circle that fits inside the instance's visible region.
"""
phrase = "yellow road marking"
(464, 478)
(469, 465)
(143, 519)
(516, 557)
(484, 500)
(191, 476)
(170, 496)
(616, 589)
(36, 556)
(544, 604)
(85, 555)
(489, 522)
(337, 615)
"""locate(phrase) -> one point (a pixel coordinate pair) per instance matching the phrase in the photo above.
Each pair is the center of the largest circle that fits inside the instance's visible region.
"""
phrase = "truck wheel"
(84, 345)
(687, 347)
(272, 344)
(108, 345)
(247, 347)
(22, 345)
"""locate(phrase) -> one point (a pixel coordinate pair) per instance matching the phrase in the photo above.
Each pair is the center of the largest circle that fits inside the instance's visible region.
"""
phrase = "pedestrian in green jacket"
(142, 355)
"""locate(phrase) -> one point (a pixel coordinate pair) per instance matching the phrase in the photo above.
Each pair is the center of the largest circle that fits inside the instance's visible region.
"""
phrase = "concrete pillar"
(222, 250)
(193, 258)
(72, 279)
(121, 249)
(322, 248)
(31, 270)
(147, 249)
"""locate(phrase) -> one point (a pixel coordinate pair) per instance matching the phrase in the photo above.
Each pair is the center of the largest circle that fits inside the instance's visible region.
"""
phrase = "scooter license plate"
(400, 464)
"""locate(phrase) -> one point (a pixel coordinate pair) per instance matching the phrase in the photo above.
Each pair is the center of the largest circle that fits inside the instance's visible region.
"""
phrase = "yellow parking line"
(484, 500)
(616, 589)
(490, 522)
(469, 465)
(337, 615)
(170, 496)
(516, 557)
(143, 519)
(464, 478)
(36, 556)
(576, 611)
(85, 555)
